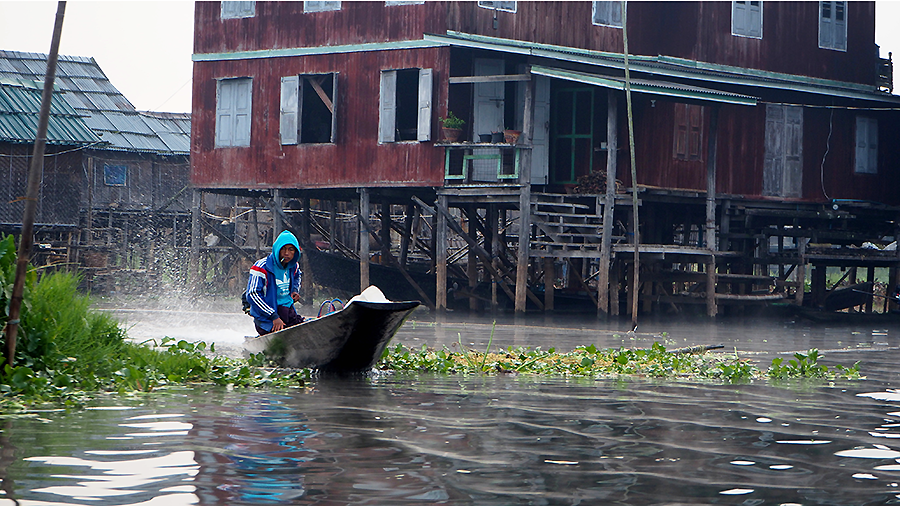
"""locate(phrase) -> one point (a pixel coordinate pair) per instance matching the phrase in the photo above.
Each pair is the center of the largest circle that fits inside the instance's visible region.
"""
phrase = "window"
(607, 14)
(308, 106)
(688, 132)
(746, 18)
(405, 108)
(321, 6)
(233, 100)
(783, 159)
(391, 3)
(833, 25)
(866, 145)
(115, 175)
(499, 5)
(233, 10)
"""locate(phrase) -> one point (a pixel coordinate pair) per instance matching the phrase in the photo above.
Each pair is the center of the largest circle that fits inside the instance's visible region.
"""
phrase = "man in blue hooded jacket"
(274, 286)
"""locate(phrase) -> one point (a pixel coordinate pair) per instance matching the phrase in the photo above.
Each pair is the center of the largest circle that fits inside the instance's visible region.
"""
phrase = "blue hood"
(281, 241)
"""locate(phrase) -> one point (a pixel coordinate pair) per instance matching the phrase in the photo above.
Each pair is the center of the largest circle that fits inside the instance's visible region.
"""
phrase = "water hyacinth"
(589, 361)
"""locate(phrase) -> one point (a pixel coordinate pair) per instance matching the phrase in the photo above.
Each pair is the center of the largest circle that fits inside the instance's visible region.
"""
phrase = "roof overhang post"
(711, 244)
(609, 202)
(525, 198)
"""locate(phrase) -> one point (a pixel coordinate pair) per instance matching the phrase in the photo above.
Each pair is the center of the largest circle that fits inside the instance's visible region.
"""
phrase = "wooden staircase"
(566, 225)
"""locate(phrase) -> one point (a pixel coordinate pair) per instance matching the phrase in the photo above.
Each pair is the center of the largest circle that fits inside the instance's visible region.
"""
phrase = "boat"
(821, 315)
(349, 340)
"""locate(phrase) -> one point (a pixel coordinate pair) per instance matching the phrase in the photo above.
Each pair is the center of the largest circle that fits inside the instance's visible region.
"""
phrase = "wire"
(827, 149)
(47, 155)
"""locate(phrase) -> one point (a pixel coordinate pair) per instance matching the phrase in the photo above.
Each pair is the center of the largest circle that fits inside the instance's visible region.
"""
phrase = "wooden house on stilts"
(765, 136)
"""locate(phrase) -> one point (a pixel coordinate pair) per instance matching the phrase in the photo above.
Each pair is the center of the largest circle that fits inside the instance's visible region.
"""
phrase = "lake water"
(496, 440)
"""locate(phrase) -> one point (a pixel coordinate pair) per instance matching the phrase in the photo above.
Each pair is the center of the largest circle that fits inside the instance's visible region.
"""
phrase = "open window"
(233, 109)
(500, 5)
(866, 145)
(308, 109)
(405, 108)
(321, 5)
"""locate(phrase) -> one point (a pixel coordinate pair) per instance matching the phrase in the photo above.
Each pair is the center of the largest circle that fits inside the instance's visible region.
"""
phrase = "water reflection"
(497, 440)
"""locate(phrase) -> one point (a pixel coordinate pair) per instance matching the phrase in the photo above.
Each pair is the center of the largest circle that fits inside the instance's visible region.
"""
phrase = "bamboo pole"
(634, 196)
(35, 173)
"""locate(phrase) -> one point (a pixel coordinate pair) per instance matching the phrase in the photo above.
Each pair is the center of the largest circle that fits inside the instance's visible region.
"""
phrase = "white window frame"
(500, 5)
(832, 32)
(291, 110)
(392, 3)
(233, 119)
(604, 13)
(387, 106)
(238, 9)
(747, 18)
(866, 158)
(321, 5)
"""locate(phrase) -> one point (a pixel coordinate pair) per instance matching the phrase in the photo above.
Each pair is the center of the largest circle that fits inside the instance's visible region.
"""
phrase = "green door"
(572, 133)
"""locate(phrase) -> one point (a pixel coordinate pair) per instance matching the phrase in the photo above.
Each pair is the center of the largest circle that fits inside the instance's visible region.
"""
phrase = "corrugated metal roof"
(20, 105)
(669, 67)
(89, 93)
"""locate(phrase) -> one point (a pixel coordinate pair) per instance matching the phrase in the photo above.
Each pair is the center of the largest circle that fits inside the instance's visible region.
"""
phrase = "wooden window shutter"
(224, 112)
(695, 131)
(290, 109)
(242, 112)
(426, 85)
(334, 106)
(866, 145)
(387, 119)
(681, 132)
(739, 17)
(754, 19)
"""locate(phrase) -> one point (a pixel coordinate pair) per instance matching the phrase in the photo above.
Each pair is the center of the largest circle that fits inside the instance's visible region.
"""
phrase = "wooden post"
(472, 259)
(614, 277)
(363, 239)
(609, 204)
(385, 231)
(494, 218)
(35, 172)
(277, 223)
(412, 214)
(711, 245)
(194, 262)
(440, 251)
(549, 278)
(332, 225)
(308, 282)
(525, 200)
(801, 271)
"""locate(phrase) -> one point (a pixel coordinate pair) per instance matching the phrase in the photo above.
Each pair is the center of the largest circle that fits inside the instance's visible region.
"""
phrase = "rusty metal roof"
(20, 105)
(106, 111)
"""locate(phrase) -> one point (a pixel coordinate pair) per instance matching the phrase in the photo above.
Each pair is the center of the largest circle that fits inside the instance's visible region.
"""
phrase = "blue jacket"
(261, 290)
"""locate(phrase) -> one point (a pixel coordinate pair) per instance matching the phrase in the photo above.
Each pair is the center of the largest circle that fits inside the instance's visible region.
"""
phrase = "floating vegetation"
(589, 361)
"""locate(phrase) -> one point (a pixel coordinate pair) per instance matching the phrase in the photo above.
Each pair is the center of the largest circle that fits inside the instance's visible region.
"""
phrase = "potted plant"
(451, 127)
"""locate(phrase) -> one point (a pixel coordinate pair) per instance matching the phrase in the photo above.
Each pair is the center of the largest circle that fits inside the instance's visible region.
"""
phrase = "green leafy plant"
(451, 121)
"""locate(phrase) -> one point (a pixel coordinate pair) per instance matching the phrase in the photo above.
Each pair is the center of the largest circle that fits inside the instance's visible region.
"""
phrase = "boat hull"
(350, 340)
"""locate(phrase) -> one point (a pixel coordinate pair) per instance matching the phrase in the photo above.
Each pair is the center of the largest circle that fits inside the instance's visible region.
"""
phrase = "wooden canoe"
(345, 341)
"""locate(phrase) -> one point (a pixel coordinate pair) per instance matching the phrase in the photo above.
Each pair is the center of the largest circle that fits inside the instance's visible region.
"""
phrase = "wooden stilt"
(609, 204)
(308, 283)
(525, 201)
(472, 258)
(549, 278)
(440, 255)
(412, 214)
(711, 244)
(385, 231)
(801, 271)
(497, 219)
(194, 262)
(363, 239)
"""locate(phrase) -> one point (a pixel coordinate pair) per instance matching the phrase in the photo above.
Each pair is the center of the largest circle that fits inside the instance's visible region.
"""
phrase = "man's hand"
(277, 324)
(295, 296)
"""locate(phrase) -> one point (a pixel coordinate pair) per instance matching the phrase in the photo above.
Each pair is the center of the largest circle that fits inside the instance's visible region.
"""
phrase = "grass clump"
(65, 351)
(589, 361)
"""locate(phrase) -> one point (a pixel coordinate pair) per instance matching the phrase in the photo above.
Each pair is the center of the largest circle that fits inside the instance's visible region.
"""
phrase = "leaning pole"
(35, 173)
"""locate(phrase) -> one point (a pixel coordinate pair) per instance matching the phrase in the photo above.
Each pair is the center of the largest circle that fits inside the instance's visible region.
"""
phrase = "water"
(497, 440)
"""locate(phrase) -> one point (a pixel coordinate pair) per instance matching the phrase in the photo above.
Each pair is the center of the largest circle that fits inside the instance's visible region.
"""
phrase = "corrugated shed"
(20, 105)
(107, 112)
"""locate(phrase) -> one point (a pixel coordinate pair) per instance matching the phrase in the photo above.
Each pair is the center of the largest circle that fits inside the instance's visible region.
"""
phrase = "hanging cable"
(827, 149)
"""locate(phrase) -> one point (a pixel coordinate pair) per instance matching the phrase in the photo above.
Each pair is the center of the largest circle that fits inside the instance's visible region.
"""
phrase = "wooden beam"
(363, 216)
(489, 79)
(609, 203)
(440, 253)
(711, 244)
(317, 86)
(525, 203)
